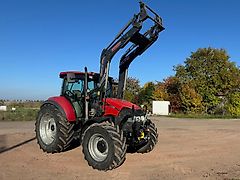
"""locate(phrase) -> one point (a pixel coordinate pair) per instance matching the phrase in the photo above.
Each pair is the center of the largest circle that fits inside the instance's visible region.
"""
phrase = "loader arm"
(140, 43)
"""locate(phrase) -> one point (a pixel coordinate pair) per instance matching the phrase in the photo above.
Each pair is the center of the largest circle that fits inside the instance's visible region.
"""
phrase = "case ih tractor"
(88, 112)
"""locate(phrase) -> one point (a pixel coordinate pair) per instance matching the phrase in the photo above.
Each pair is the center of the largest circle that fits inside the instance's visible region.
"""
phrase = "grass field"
(203, 116)
(21, 114)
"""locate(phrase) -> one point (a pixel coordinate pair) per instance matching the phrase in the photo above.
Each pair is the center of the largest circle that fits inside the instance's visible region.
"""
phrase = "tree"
(182, 96)
(159, 93)
(145, 96)
(168, 90)
(191, 101)
(233, 104)
(132, 89)
(172, 88)
(211, 74)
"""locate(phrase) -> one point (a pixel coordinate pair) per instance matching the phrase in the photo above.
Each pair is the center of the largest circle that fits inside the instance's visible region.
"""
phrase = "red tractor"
(87, 112)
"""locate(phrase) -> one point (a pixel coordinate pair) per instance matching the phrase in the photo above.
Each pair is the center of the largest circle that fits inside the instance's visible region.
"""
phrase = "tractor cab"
(73, 88)
(73, 84)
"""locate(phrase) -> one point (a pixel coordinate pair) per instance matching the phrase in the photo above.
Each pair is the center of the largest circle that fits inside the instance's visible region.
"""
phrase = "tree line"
(206, 83)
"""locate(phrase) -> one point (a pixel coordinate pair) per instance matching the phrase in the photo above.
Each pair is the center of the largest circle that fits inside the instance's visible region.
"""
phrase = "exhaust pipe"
(85, 93)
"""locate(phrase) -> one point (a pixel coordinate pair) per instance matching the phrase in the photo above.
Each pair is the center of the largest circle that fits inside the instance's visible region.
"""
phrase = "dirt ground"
(187, 149)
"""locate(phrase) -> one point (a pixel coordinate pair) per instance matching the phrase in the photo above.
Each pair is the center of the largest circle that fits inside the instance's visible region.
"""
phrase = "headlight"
(143, 118)
(140, 118)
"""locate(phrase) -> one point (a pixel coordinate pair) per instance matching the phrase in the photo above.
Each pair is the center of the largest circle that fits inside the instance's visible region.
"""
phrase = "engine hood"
(119, 104)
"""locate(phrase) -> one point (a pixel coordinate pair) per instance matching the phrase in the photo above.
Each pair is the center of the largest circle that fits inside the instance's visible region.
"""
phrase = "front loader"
(87, 112)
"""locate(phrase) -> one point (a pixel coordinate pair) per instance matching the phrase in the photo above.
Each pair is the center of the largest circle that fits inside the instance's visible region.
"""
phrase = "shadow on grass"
(6, 149)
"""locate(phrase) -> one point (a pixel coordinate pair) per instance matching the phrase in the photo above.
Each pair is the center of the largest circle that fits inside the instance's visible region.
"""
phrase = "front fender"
(64, 106)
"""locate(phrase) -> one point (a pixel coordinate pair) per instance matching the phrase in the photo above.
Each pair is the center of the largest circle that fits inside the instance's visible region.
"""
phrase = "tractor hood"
(119, 104)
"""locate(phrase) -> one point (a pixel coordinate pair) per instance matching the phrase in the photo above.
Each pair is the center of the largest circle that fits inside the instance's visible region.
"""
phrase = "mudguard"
(64, 106)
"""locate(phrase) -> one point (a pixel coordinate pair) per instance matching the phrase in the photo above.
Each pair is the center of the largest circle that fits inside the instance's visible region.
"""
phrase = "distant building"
(160, 107)
(3, 108)
(13, 109)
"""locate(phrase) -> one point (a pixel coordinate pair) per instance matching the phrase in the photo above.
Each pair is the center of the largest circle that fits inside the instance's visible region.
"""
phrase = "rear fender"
(64, 106)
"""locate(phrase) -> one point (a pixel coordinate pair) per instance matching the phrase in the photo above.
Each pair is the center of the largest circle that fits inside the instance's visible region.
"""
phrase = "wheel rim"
(47, 129)
(98, 147)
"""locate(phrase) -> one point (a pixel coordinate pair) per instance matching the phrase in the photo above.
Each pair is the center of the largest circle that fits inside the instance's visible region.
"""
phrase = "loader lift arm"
(140, 43)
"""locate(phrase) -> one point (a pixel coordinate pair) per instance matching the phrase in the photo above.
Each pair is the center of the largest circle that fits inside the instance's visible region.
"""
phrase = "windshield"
(91, 85)
(78, 86)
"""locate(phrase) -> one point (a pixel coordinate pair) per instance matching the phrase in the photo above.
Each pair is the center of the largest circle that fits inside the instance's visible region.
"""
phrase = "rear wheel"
(54, 133)
(152, 137)
(104, 146)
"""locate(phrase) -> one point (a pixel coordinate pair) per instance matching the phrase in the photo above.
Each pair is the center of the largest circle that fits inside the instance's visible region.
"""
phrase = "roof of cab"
(64, 74)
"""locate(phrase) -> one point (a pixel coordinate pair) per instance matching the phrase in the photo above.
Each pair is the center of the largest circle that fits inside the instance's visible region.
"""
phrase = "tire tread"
(119, 142)
(65, 134)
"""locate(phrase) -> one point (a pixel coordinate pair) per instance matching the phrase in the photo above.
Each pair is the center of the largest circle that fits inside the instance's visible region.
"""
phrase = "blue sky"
(40, 38)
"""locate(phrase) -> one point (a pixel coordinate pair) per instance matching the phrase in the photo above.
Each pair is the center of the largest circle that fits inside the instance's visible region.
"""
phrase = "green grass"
(21, 114)
(203, 116)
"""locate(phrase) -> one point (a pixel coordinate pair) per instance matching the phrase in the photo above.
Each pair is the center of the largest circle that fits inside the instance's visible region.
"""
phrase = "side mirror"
(71, 78)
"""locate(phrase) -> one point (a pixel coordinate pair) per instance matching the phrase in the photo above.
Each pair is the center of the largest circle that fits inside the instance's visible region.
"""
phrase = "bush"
(233, 105)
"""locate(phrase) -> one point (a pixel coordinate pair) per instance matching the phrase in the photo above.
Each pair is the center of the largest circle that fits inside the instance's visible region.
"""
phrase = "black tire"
(104, 146)
(152, 139)
(53, 132)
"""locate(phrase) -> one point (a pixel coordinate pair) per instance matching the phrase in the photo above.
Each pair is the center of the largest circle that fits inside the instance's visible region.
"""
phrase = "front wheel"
(152, 137)
(104, 146)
